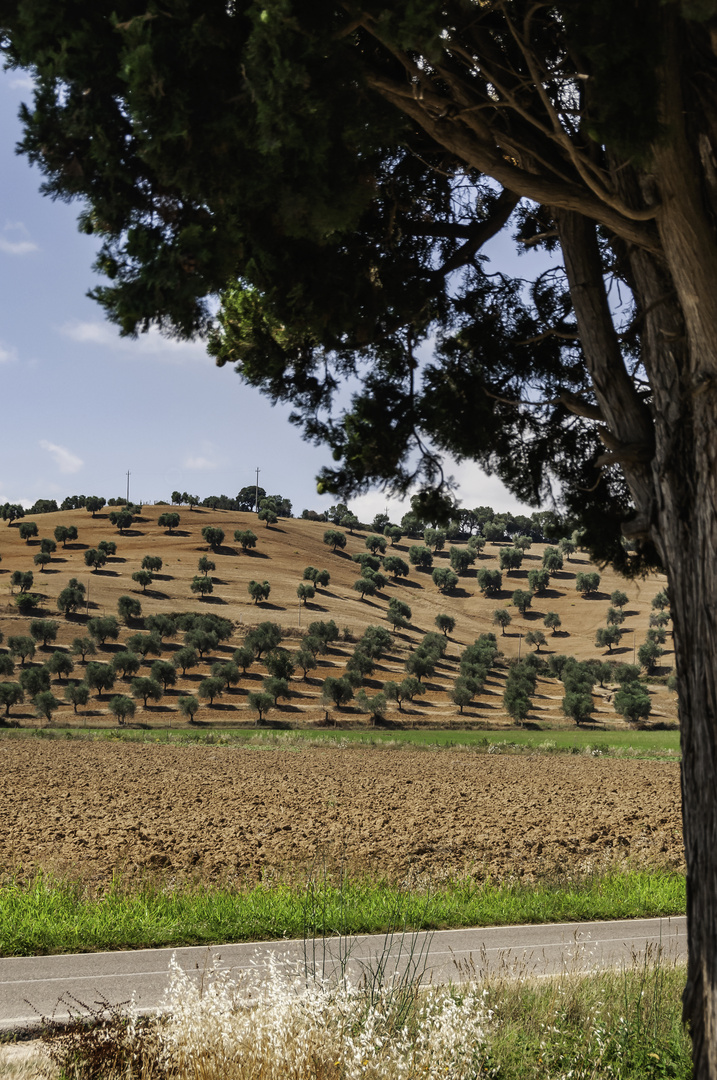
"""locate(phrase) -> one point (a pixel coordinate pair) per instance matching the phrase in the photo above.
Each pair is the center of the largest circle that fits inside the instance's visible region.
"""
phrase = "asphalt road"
(46, 986)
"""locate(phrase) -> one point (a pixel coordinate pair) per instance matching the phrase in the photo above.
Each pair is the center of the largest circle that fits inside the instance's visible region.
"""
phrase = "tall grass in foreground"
(620, 1025)
(45, 915)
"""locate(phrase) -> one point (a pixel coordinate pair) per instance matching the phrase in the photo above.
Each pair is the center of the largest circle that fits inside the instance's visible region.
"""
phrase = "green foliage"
(305, 592)
(521, 599)
(607, 636)
(445, 623)
(77, 694)
(126, 662)
(266, 636)
(60, 664)
(553, 621)
(102, 627)
(420, 556)
(365, 586)
(261, 703)
(44, 630)
(188, 706)
(586, 584)
(95, 558)
(71, 597)
(153, 563)
(34, 680)
(399, 614)
(45, 704)
(211, 688)
(444, 578)
(374, 705)
(489, 581)
(538, 580)
(376, 543)
(632, 701)
(502, 618)
(206, 566)
(246, 538)
(42, 559)
(510, 558)
(10, 694)
(143, 578)
(83, 646)
(99, 677)
(336, 692)
(259, 591)
(552, 560)
(334, 538)
(146, 688)
(164, 672)
(202, 585)
(535, 637)
(168, 521)
(21, 646)
(122, 708)
(276, 688)
(278, 663)
(618, 599)
(23, 580)
(28, 530)
(519, 688)
(213, 536)
(461, 559)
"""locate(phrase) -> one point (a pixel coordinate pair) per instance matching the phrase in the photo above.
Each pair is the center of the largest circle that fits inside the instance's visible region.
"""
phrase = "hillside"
(281, 554)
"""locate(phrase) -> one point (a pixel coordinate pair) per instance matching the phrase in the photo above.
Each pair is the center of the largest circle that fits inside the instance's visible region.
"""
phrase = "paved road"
(40, 986)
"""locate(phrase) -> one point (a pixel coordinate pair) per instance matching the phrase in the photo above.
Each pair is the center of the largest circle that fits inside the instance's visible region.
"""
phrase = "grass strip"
(45, 915)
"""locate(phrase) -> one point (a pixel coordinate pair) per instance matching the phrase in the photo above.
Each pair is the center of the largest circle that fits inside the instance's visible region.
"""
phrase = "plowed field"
(90, 809)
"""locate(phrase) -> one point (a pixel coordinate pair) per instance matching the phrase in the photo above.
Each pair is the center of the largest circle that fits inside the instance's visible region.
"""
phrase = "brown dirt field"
(91, 809)
(280, 557)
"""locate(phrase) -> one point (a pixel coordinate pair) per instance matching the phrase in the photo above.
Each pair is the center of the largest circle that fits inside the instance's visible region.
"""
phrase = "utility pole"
(128, 487)
(256, 493)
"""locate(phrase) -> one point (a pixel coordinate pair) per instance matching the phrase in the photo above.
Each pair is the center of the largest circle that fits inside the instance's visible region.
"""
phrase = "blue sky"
(81, 406)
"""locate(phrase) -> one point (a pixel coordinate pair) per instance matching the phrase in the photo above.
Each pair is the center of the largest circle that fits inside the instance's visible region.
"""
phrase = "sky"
(81, 406)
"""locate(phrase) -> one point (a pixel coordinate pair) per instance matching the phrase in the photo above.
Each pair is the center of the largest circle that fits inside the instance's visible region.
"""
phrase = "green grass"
(635, 744)
(50, 916)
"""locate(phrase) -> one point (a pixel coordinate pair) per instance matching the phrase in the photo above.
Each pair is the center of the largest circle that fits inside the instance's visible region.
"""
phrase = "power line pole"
(128, 487)
(256, 493)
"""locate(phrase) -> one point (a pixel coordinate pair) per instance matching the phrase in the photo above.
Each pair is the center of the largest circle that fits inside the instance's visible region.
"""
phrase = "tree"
(153, 563)
(77, 694)
(278, 663)
(489, 581)
(60, 664)
(510, 558)
(587, 583)
(143, 578)
(461, 692)
(336, 692)
(206, 566)
(648, 654)
(94, 504)
(420, 557)
(213, 536)
(211, 688)
(597, 120)
(552, 560)
(109, 547)
(376, 543)
(71, 597)
(103, 627)
(566, 547)
(521, 599)
(434, 538)
(25, 602)
(34, 680)
(538, 580)
(48, 546)
(393, 533)
(305, 592)
(276, 688)
(261, 703)
(146, 688)
(22, 580)
(535, 637)
(164, 672)
(144, 644)
(168, 521)
(461, 559)
(7, 665)
(395, 566)
(375, 705)
(95, 558)
(615, 616)
(259, 591)
(122, 519)
(10, 694)
(42, 559)
(122, 708)
(553, 621)
(246, 538)
(21, 647)
(265, 636)
(632, 701)
(44, 630)
(365, 586)
(186, 658)
(99, 677)
(661, 601)
(128, 663)
(128, 608)
(335, 539)
(444, 578)
(188, 707)
(202, 585)
(63, 533)
(608, 636)
(305, 660)
(27, 530)
(502, 618)
(420, 665)
(83, 646)
(399, 614)
(45, 704)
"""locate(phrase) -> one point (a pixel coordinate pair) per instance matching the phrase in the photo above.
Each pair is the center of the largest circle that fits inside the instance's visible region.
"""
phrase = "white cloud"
(8, 354)
(22, 82)
(204, 460)
(66, 461)
(152, 343)
(15, 239)
(199, 463)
